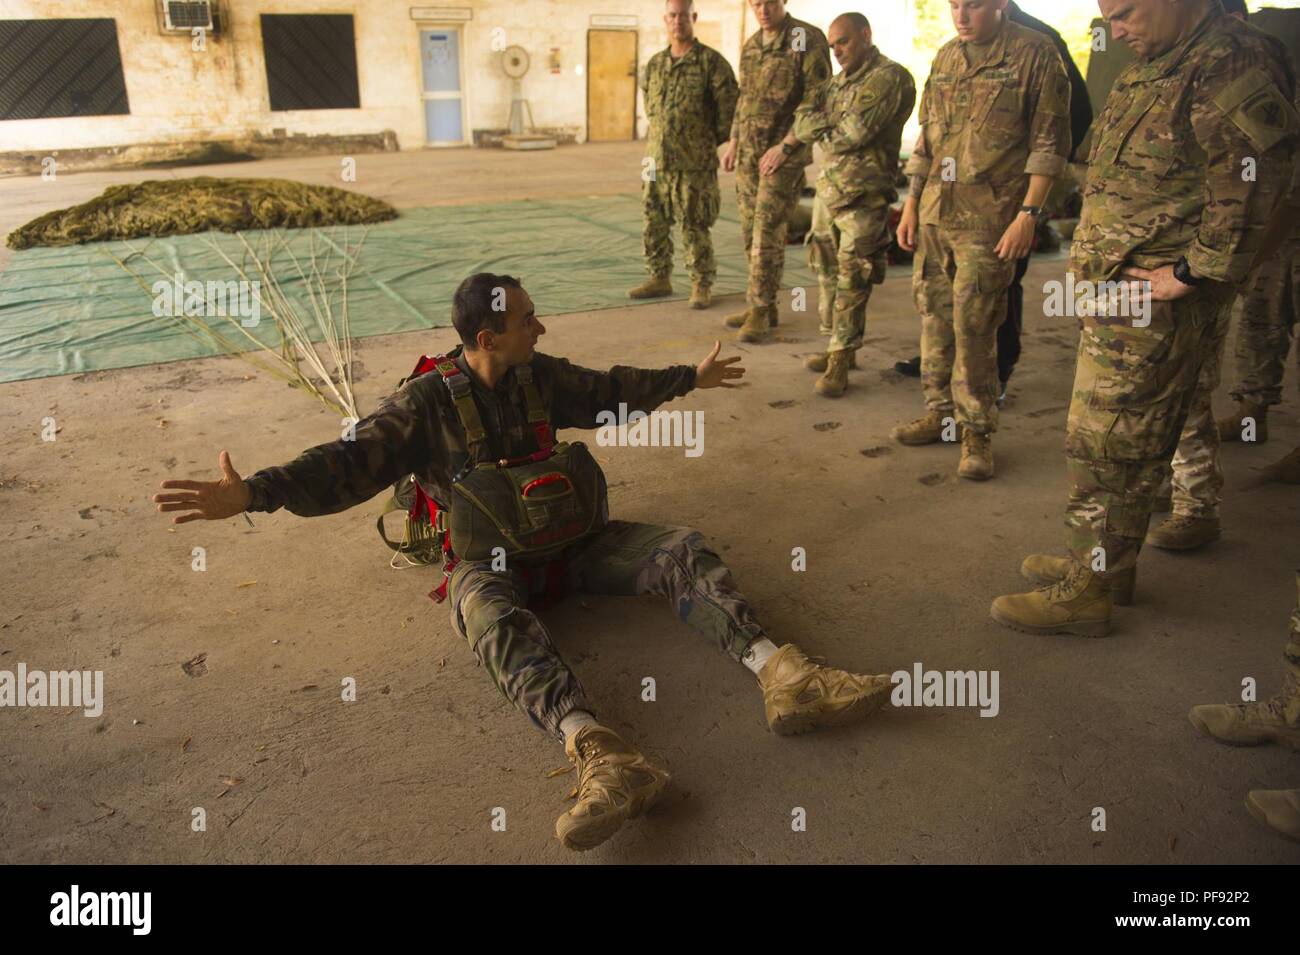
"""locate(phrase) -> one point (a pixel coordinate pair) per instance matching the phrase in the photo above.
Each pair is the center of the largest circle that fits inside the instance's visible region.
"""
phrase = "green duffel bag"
(532, 510)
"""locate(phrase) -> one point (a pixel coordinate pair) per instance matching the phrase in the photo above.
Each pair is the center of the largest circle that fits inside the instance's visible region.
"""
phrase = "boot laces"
(1065, 586)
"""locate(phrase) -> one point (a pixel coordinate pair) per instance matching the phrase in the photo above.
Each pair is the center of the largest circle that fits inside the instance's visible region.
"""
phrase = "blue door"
(443, 99)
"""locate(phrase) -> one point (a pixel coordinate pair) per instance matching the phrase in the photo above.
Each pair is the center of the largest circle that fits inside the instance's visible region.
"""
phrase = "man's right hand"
(206, 500)
(908, 223)
(729, 156)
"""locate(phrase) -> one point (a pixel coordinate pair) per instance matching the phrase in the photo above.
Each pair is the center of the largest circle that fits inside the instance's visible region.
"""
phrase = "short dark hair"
(472, 306)
(1235, 6)
(859, 21)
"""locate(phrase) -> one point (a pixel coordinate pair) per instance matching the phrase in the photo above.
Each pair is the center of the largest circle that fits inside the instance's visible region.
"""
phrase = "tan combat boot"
(701, 295)
(615, 783)
(1184, 532)
(800, 695)
(976, 456)
(740, 318)
(1230, 425)
(1287, 470)
(656, 286)
(758, 326)
(836, 380)
(1044, 569)
(926, 429)
(819, 361)
(1276, 808)
(1080, 604)
(1276, 720)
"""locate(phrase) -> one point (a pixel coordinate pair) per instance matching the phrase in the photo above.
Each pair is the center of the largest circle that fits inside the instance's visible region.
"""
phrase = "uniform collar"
(1168, 61)
(873, 58)
(781, 34)
(693, 51)
(506, 384)
(997, 49)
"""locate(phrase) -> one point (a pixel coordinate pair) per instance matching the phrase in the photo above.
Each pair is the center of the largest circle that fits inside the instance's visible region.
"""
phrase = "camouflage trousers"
(766, 204)
(1292, 652)
(960, 287)
(490, 609)
(1197, 478)
(1133, 389)
(1268, 323)
(848, 251)
(692, 200)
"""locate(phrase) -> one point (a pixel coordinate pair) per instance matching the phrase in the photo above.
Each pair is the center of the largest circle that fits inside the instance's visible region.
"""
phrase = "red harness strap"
(554, 590)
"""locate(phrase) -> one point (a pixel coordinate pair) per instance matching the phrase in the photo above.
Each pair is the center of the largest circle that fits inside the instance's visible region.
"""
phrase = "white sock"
(758, 653)
(575, 721)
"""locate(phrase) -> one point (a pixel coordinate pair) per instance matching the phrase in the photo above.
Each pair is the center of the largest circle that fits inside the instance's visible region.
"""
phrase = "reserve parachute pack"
(529, 507)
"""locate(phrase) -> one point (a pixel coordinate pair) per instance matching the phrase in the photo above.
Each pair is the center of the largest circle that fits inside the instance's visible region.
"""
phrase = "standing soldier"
(858, 119)
(995, 121)
(1166, 204)
(782, 66)
(690, 98)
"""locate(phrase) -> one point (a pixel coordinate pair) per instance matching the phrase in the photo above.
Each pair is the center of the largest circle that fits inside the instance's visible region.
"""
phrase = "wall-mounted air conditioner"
(183, 17)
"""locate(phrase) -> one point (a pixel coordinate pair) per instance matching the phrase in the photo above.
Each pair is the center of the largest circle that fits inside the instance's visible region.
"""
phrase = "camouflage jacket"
(775, 80)
(985, 128)
(858, 120)
(1190, 156)
(416, 431)
(690, 102)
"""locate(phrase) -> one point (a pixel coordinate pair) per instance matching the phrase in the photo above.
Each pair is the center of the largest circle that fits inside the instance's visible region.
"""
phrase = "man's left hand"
(712, 373)
(1164, 287)
(1017, 240)
(772, 160)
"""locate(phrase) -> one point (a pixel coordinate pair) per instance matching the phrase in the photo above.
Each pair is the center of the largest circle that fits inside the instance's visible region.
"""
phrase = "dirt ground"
(903, 560)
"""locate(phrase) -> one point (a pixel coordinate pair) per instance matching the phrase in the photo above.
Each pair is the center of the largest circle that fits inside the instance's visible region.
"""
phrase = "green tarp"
(73, 309)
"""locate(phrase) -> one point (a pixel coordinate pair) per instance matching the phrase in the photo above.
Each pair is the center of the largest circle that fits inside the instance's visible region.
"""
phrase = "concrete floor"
(903, 560)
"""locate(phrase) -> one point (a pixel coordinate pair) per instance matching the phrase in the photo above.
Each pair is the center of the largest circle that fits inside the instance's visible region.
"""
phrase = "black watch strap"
(1183, 272)
(788, 149)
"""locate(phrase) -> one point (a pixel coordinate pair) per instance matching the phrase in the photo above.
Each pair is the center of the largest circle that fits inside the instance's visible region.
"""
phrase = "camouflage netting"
(160, 207)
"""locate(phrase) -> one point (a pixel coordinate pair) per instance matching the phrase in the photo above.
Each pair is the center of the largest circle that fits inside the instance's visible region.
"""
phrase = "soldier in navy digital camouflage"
(1169, 217)
(421, 430)
(690, 98)
(782, 67)
(858, 120)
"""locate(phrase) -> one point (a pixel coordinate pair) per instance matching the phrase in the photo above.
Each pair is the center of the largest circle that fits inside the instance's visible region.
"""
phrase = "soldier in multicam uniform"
(690, 99)
(418, 430)
(995, 119)
(1166, 205)
(858, 119)
(782, 66)
(1275, 720)
(1197, 480)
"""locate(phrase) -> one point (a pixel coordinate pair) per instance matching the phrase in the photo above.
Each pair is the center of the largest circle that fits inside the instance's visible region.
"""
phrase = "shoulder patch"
(1255, 105)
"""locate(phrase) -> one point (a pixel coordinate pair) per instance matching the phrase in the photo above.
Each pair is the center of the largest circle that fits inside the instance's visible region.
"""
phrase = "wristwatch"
(788, 149)
(1183, 272)
(1035, 211)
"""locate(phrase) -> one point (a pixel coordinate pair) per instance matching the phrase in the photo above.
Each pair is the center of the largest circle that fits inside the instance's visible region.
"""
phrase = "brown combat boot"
(926, 429)
(976, 456)
(1287, 470)
(1184, 532)
(615, 783)
(1233, 424)
(701, 295)
(1275, 720)
(800, 695)
(657, 286)
(818, 362)
(1044, 569)
(758, 326)
(1080, 604)
(1278, 809)
(740, 318)
(836, 380)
